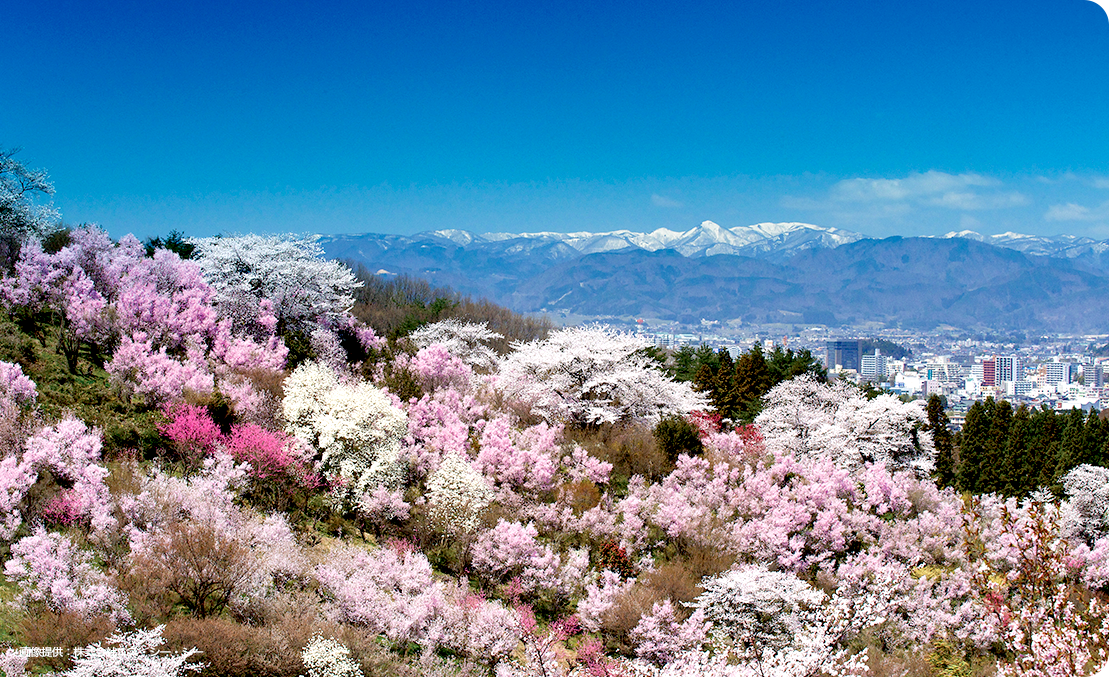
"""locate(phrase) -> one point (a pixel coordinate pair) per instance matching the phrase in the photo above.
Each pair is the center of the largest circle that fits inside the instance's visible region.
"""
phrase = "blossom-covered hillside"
(210, 465)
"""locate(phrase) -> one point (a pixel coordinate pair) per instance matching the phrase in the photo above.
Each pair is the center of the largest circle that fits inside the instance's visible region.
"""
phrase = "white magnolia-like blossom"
(20, 214)
(590, 375)
(1087, 489)
(130, 654)
(355, 426)
(291, 271)
(457, 494)
(754, 607)
(465, 340)
(328, 658)
(835, 420)
(773, 623)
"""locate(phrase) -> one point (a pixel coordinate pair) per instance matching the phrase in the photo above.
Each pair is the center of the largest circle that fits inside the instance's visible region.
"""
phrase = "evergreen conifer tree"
(1043, 445)
(941, 438)
(1018, 471)
(752, 382)
(1001, 418)
(972, 446)
(1074, 448)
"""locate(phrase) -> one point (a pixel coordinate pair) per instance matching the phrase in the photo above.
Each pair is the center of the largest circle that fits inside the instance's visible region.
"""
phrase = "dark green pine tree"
(1095, 438)
(944, 472)
(1044, 444)
(1019, 472)
(1000, 421)
(752, 379)
(1074, 448)
(973, 445)
(725, 398)
(704, 379)
(786, 364)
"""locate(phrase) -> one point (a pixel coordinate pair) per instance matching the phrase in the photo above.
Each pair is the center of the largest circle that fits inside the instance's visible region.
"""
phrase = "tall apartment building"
(875, 366)
(989, 373)
(843, 354)
(1009, 368)
(1057, 372)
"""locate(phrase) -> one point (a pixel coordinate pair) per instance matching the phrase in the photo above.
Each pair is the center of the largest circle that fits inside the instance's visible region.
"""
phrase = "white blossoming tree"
(591, 375)
(457, 494)
(774, 623)
(813, 419)
(1087, 489)
(291, 271)
(130, 654)
(328, 658)
(354, 426)
(468, 341)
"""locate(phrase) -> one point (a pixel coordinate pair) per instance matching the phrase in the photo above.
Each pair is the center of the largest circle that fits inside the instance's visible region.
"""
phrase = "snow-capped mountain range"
(773, 241)
(707, 239)
(1065, 246)
(767, 272)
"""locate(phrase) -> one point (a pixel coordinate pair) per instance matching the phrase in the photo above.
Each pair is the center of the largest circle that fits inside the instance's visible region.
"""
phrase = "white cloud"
(938, 189)
(1076, 212)
(663, 201)
(1102, 183)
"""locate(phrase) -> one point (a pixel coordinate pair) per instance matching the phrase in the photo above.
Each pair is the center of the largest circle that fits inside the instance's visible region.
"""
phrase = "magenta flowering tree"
(278, 463)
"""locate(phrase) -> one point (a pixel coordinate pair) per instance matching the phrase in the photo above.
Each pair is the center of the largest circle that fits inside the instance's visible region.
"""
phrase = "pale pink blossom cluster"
(513, 550)
(15, 386)
(70, 451)
(53, 571)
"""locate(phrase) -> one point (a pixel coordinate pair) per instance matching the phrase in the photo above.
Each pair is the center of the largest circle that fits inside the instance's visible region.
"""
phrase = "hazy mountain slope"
(791, 272)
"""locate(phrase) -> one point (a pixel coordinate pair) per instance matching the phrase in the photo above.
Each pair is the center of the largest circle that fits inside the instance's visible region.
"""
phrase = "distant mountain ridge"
(786, 272)
(707, 239)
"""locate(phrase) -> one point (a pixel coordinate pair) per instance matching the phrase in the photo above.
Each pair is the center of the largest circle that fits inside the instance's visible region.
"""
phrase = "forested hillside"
(255, 461)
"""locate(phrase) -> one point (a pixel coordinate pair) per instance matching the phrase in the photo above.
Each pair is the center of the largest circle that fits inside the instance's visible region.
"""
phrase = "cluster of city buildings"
(1059, 372)
(1060, 381)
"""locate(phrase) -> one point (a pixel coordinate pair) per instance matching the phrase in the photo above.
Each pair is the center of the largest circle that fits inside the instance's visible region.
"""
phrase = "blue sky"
(904, 118)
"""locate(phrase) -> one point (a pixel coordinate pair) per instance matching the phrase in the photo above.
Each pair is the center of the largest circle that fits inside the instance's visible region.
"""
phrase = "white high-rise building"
(1008, 368)
(876, 365)
(1057, 372)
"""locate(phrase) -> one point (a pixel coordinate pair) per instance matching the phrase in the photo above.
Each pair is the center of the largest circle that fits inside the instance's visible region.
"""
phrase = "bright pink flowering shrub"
(191, 429)
(270, 455)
